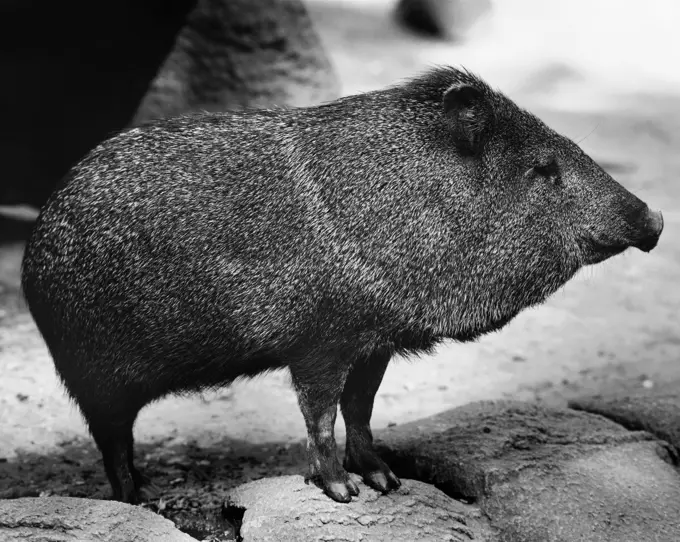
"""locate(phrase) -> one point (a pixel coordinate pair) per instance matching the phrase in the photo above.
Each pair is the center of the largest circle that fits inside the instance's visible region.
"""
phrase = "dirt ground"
(613, 325)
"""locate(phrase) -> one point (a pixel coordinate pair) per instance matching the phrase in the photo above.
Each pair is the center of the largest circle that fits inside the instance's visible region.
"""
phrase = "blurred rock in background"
(448, 19)
(75, 72)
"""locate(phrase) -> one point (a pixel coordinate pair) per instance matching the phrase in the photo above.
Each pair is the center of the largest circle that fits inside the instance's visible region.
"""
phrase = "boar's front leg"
(319, 383)
(356, 403)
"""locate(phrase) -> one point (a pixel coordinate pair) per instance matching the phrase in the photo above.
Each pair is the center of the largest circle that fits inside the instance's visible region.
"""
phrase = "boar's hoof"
(382, 481)
(374, 471)
(340, 490)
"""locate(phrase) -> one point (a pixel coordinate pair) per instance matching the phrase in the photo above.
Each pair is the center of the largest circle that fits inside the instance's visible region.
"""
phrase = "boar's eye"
(549, 170)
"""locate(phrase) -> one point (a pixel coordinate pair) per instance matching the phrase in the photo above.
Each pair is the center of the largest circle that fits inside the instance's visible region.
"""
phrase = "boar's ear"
(469, 116)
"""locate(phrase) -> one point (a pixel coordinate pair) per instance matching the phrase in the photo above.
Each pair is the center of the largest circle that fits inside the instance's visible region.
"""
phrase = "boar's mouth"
(646, 230)
(598, 252)
(594, 251)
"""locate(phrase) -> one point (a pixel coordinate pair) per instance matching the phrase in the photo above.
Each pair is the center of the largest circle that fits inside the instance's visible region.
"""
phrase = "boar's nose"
(651, 228)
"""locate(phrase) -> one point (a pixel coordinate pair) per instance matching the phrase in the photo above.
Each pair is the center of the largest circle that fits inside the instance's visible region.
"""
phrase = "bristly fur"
(191, 251)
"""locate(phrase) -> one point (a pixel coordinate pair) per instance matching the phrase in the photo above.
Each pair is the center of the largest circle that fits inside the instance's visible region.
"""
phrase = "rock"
(61, 519)
(285, 508)
(543, 474)
(448, 19)
(655, 409)
(462, 449)
(238, 53)
(90, 64)
(78, 71)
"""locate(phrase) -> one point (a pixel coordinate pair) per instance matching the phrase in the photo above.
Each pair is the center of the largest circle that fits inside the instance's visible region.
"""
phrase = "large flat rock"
(655, 409)
(285, 508)
(544, 474)
(65, 519)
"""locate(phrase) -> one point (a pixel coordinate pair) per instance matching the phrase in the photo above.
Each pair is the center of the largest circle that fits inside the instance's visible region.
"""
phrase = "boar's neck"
(385, 196)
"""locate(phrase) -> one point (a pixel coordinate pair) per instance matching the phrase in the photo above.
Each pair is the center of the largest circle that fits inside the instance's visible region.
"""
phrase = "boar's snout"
(650, 226)
(629, 223)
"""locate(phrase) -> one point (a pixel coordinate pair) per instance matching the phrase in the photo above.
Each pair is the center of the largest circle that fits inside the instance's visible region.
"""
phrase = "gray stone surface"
(64, 519)
(656, 409)
(544, 474)
(233, 54)
(520, 473)
(285, 508)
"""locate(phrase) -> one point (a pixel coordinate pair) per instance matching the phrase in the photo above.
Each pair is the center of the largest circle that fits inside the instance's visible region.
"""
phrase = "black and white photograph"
(339, 271)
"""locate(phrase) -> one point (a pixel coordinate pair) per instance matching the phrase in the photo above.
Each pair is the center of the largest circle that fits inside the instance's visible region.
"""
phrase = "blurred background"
(604, 73)
(575, 54)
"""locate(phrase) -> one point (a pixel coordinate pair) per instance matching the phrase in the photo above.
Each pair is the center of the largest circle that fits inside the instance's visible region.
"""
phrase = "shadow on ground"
(189, 483)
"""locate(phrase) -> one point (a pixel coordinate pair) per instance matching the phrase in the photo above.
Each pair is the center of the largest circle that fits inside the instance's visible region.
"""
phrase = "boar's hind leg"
(112, 431)
(356, 402)
(319, 384)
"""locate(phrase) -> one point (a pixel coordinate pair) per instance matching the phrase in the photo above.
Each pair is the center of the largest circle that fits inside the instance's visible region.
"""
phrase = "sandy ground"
(616, 324)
